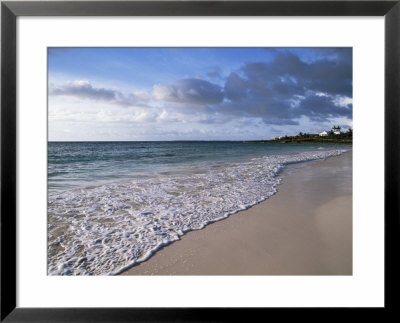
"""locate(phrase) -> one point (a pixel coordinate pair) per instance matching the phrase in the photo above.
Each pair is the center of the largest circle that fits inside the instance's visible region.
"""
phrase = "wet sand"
(304, 229)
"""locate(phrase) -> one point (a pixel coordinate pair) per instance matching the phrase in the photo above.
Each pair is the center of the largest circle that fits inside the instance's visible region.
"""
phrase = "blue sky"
(196, 93)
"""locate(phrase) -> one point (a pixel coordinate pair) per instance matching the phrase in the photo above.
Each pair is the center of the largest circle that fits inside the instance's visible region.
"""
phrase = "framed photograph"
(178, 160)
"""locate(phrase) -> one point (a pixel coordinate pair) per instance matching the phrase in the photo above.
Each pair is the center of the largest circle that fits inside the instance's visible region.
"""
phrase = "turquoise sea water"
(113, 204)
(86, 164)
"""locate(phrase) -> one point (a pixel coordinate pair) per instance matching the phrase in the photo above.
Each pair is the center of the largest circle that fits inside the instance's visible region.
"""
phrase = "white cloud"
(189, 91)
(343, 101)
(84, 90)
(164, 93)
(142, 95)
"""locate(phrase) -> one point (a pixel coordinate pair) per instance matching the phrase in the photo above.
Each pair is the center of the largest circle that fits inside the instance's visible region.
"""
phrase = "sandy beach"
(304, 229)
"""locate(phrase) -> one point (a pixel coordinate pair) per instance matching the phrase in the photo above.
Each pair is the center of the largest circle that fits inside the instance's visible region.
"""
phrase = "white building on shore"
(323, 134)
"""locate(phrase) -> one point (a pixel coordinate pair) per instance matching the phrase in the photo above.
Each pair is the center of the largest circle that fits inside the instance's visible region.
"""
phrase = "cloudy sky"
(196, 93)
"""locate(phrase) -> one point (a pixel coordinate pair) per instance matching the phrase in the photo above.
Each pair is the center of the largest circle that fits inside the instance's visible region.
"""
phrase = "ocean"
(113, 204)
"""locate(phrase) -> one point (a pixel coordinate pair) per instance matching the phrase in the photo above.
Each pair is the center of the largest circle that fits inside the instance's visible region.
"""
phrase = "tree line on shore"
(335, 135)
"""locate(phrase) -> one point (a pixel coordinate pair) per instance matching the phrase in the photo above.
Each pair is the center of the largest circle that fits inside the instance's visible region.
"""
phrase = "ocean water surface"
(113, 204)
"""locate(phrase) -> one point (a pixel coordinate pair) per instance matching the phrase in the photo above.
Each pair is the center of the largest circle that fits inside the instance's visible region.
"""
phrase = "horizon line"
(175, 140)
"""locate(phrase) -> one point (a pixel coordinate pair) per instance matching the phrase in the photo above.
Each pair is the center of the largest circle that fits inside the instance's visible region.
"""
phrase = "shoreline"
(304, 229)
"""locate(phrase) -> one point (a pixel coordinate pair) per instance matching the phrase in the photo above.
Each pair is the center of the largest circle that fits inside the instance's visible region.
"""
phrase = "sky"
(138, 94)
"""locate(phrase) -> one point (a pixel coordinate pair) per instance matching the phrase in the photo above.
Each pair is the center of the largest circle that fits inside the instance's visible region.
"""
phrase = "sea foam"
(106, 229)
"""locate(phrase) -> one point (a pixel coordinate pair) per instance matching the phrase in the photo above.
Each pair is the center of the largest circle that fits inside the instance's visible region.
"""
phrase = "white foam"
(106, 229)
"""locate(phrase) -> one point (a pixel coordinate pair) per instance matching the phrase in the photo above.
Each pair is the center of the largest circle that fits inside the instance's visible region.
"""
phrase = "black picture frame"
(10, 10)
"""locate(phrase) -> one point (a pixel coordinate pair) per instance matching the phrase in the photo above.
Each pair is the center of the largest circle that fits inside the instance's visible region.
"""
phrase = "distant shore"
(305, 229)
(335, 136)
(305, 141)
